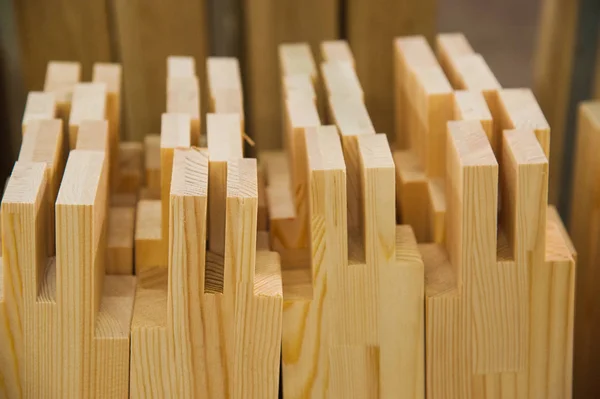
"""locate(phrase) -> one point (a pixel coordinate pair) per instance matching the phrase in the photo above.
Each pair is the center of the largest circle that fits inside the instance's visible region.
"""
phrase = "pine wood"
(352, 120)
(424, 99)
(371, 27)
(152, 162)
(74, 330)
(183, 96)
(61, 78)
(175, 132)
(553, 61)
(131, 172)
(175, 324)
(111, 76)
(179, 66)
(584, 231)
(336, 50)
(310, 21)
(225, 86)
(39, 105)
(147, 32)
(149, 253)
(468, 70)
(339, 79)
(518, 109)
(44, 142)
(120, 240)
(89, 103)
(93, 135)
(335, 337)
(224, 145)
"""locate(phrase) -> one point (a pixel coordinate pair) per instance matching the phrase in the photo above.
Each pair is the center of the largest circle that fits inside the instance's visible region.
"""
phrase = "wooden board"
(553, 63)
(43, 40)
(152, 162)
(266, 25)
(61, 78)
(147, 32)
(336, 340)
(89, 103)
(371, 27)
(72, 318)
(583, 228)
(199, 359)
(39, 105)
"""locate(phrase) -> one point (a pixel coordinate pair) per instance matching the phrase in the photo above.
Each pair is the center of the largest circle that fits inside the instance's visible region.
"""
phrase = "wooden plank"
(224, 145)
(336, 50)
(111, 76)
(412, 194)
(179, 66)
(152, 161)
(93, 135)
(339, 79)
(174, 133)
(583, 216)
(352, 120)
(167, 31)
(44, 142)
(39, 105)
(131, 161)
(24, 255)
(148, 237)
(89, 103)
(42, 41)
(61, 78)
(371, 28)
(120, 240)
(425, 99)
(313, 21)
(190, 350)
(553, 63)
(225, 87)
(518, 109)
(183, 96)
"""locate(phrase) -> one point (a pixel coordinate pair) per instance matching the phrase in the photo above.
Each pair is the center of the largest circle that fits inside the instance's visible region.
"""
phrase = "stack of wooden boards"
(471, 175)
(295, 263)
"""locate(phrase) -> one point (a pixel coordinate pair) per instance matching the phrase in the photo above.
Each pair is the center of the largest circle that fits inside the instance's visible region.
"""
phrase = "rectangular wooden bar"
(89, 103)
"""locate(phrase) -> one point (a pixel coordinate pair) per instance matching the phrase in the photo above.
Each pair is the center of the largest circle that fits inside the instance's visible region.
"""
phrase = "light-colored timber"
(61, 78)
(89, 103)
(39, 105)
(194, 332)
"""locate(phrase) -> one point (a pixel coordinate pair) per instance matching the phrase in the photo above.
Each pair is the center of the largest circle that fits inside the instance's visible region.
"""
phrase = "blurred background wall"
(532, 43)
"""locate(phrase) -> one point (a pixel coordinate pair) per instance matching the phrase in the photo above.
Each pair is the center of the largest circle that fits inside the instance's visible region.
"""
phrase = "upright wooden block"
(183, 96)
(424, 100)
(174, 319)
(152, 162)
(120, 240)
(518, 109)
(352, 120)
(225, 86)
(467, 70)
(336, 50)
(340, 79)
(44, 142)
(224, 145)
(93, 135)
(149, 253)
(336, 340)
(72, 322)
(174, 133)
(111, 76)
(131, 167)
(61, 78)
(39, 105)
(179, 66)
(24, 251)
(584, 231)
(89, 103)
